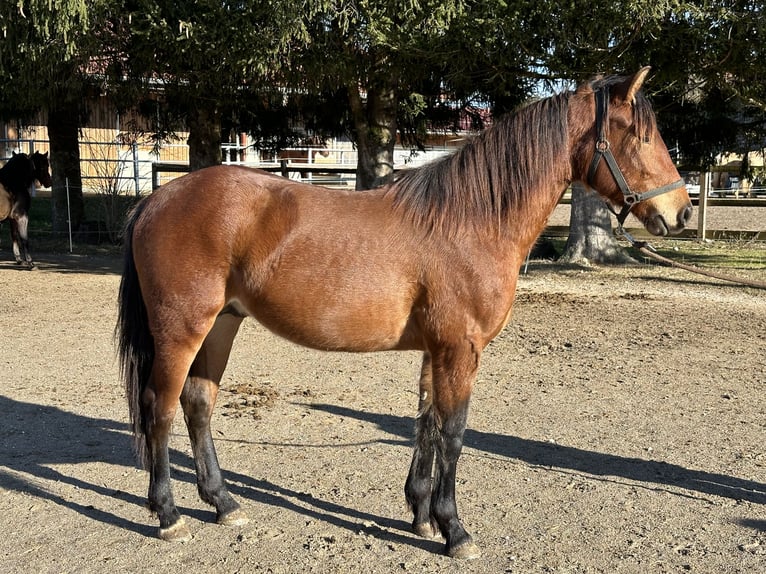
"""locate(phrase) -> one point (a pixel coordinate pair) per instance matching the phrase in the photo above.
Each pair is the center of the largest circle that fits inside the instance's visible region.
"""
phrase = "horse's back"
(232, 214)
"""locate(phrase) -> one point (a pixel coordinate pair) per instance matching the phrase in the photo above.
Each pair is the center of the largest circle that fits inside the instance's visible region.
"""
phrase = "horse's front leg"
(454, 370)
(198, 399)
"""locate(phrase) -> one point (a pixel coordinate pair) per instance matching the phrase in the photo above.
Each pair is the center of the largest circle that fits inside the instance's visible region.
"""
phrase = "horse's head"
(42, 168)
(623, 157)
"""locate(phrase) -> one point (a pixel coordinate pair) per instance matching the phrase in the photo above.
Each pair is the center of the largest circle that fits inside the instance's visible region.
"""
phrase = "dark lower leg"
(161, 499)
(443, 505)
(19, 232)
(417, 489)
(197, 399)
(15, 240)
(454, 370)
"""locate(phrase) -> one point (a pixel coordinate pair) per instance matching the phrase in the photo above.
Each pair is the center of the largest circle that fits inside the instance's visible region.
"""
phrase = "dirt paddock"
(618, 425)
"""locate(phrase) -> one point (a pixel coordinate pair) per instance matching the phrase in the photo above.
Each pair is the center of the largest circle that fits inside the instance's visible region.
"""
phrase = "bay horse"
(16, 179)
(429, 263)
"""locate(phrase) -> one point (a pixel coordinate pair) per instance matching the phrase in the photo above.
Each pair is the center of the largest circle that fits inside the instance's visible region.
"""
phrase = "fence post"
(136, 178)
(702, 208)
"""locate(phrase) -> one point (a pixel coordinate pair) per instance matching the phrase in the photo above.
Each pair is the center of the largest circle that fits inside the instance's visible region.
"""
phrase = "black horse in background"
(16, 180)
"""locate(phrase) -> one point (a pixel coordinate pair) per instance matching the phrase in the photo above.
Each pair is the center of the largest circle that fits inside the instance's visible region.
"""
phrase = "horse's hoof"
(177, 532)
(425, 530)
(236, 517)
(466, 551)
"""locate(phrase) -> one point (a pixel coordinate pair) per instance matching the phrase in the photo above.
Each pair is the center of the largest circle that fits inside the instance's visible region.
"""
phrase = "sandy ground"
(617, 425)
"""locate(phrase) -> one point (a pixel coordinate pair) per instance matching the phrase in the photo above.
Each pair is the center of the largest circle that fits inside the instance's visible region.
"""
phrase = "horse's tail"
(134, 340)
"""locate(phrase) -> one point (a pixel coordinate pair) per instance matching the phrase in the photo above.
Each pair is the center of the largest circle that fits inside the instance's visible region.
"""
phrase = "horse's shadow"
(35, 438)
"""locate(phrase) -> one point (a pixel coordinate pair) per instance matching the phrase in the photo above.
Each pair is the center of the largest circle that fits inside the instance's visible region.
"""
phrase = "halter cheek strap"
(603, 151)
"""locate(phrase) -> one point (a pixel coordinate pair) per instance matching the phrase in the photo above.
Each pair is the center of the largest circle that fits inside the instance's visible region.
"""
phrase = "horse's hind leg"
(15, 240)
(20, 238)
(197, 400)
(159, 402)
(417, 489)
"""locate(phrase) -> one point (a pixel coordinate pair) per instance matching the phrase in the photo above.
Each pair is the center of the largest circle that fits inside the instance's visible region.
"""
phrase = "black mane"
(495, 173)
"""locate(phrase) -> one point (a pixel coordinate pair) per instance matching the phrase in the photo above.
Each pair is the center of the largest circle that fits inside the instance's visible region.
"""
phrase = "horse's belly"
(343, 319)
(334, 328)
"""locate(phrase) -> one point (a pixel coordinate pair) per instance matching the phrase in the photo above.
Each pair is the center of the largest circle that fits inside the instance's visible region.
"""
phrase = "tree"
(710, 65)
(199, 64)
(43, 66)
(375, 57)
(590, 230)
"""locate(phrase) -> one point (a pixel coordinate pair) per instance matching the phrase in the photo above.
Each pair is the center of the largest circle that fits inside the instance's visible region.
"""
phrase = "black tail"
(134, 340)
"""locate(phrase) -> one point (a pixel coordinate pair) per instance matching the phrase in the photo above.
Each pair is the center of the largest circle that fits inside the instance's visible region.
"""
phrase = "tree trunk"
(590, 231)
(204, 122)
(375, 126)
(63, 132)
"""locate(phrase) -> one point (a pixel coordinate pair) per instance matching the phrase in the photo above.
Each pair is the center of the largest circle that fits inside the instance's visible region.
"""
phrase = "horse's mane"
(494, 173)
(501, 170)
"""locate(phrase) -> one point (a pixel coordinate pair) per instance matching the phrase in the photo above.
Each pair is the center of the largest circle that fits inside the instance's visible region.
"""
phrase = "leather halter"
(603, 151)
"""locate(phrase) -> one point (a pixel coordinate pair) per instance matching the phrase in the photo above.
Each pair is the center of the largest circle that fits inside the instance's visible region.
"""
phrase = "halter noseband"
(603, 150)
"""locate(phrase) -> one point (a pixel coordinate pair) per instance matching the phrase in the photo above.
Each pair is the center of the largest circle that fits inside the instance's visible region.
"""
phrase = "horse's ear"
(45, 154)
(14, 154)
(634, 83)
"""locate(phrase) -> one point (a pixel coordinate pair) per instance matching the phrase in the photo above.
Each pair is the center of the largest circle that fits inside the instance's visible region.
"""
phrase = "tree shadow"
(549, 455)
(92, 263)
(32, 437)
(757, 525)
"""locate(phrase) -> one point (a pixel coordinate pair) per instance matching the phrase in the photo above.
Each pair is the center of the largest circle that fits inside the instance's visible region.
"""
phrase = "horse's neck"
(529, 219)
(538, 139)
(14, 180)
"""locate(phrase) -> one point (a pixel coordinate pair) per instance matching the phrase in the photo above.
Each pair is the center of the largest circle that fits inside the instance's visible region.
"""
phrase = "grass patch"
(710, 254)
(716, 254)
